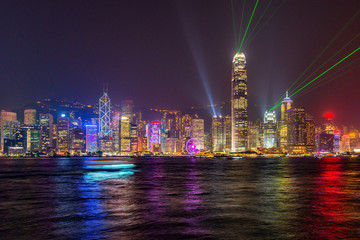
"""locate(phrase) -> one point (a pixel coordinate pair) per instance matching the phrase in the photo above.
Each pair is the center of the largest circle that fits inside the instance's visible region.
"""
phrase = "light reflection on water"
(157, 198)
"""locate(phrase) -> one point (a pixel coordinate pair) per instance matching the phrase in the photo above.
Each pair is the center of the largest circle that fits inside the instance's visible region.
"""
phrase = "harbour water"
(180, 198)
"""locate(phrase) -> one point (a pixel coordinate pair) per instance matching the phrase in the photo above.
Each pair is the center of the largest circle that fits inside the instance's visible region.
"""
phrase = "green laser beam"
(242, 16)
(326, 71)
(234, 24)
(329, 79)
(247, 28)
(277, 105)
(248, 41)
(328, 60)
(259, 19)
(323, 51)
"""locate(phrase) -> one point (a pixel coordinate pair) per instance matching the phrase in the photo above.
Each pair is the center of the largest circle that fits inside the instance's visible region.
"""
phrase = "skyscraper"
(91, 138)
(104, 116)
(296, 130)
(283, 124)
(46, 123)
(239, 116)
(218, 134)
(270, 129)
(104, 121)
(30, 117)
(197, 131)
(5, 117)
(62, 145)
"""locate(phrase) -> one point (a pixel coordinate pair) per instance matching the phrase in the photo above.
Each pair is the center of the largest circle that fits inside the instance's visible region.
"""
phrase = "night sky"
(159, 53)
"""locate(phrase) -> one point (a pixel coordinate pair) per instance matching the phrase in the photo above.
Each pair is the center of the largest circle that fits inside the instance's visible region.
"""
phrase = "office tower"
(62, 145)
(30, 117)
(46, 123)
(227, 129)
(155, 136)
(345, 143)
(35, 138)
(125, 138)
(172, 121)
(105, 131)
(254, 135)
(239, 117)
(218, 134)
(270, 129)
(283, 123)
(91, 138)
(116, 118)
(127, 109)
(327, 134)
(6, 119)
(197, 131)
(133, 138)
(185, 127)
(77, 141)
(104, 116)
(296, 129)
(208, 141)
(310, 134)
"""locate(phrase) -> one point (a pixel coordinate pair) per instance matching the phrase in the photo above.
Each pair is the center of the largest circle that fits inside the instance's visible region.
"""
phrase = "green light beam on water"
(247, 28)
(323, 51)
(277, 105)
(242, 16)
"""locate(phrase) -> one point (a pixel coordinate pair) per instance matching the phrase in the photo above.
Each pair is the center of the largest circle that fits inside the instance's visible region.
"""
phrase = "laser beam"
(247, 28)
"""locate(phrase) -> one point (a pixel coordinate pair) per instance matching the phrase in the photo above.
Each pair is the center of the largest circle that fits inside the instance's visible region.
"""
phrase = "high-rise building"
(6, 119)
(310, 134)
(77, 140)
(239, 116)
(218, 134)
(91, 138)
(227, 132)
(105, 131)
(296, 129)
(197, 131)
(345, 143)
(46, 123)
(30, 117)
(62, 145)
(327, 134)
(155, 135)
(134, 146)
(116, 130)
(125, 138)
(172, 121)
(127, 110)
(104, 116)
(283, 123)
(270, 129)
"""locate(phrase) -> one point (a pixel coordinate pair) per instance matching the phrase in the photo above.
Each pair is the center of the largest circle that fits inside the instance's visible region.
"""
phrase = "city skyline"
(165, 81)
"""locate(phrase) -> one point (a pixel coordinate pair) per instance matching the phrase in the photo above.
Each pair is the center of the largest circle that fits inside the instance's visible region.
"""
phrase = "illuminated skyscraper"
(239, 116)
(154, 136)
(46, 123)
(30, 117)
(106, 144)
(296, 129)
(283, 124)
(197, 131)
(227, 129)
(218, 134)
(270, 129)
(104, 116)
(5, 118)
(125, 138)
(77, 140)
(91, 138)
(63, 145)
(127, 109)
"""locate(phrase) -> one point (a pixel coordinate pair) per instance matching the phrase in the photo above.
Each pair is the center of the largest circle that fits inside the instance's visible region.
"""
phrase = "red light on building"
(329, 115)
(156, 122)
(336, 131)
(110, 138)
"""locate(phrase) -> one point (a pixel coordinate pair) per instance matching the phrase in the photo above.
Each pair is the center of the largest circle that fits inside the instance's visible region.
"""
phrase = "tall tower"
(239, 122)
(270, 129)
(104, 116)
(283, 126)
